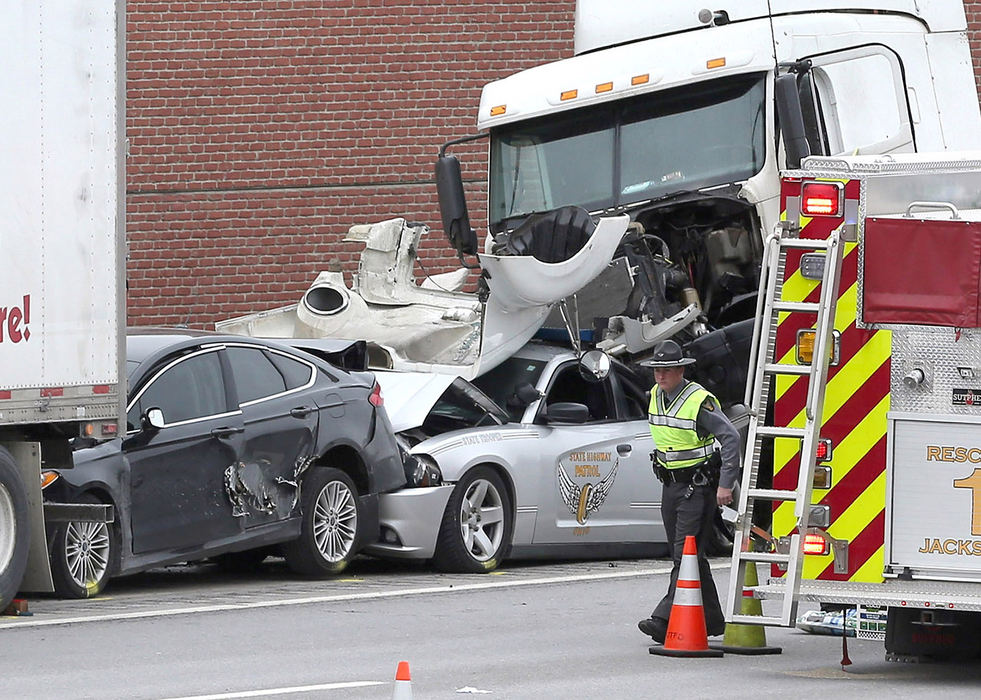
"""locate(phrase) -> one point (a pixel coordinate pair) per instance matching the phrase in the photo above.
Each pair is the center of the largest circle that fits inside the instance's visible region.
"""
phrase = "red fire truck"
(875, 442)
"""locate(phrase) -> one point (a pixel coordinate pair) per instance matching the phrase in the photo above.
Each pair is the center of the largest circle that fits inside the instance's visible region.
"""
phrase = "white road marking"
(279, 691)
(404, 593)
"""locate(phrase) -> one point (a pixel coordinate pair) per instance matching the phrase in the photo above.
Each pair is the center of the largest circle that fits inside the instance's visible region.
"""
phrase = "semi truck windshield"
(686, 138)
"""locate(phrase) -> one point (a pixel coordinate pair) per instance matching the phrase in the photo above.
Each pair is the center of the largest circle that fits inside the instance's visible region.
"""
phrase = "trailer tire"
(14, 530)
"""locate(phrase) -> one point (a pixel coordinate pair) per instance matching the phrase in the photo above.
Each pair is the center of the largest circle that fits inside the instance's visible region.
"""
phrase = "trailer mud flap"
(37, 578)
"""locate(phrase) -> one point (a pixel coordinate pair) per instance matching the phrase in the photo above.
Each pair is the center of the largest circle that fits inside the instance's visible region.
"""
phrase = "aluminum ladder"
(763, 367)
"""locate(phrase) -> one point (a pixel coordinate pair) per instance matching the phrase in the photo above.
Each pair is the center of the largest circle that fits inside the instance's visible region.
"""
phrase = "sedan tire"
(475, 532)
(84, 555)
(329, 533)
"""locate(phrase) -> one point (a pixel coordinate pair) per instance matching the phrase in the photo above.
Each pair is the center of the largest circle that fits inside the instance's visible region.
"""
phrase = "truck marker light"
(821, 199)
(5, 394)
(52, 392)
(640, 79)
(100, 389)
(823, 451)
(805, 346)
(569, 95)
(48, 478)
(812, 266)
(498, 110)
(822, 476)
(715, 63)
(109, 429)
(604, 87)
(816, 544)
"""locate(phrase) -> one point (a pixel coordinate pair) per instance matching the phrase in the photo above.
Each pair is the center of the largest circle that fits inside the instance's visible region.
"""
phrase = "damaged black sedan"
(235, 448)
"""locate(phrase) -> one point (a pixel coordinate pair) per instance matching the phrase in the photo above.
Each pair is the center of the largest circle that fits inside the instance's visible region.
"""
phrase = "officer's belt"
(678, 476)
(683, 455)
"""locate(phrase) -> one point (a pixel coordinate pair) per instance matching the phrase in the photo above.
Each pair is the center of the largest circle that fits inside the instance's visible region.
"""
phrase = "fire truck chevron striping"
(856, 401)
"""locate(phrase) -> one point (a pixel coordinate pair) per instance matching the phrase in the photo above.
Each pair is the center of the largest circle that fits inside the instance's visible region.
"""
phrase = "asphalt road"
(542, 630)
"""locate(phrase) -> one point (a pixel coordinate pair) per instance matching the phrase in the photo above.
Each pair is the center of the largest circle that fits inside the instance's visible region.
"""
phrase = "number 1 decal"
(973, 482)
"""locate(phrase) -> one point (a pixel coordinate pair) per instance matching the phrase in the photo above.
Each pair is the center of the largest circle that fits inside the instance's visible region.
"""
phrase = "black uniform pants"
(690, 516)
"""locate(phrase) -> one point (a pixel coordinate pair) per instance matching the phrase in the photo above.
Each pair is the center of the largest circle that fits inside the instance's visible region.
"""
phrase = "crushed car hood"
(411, 396)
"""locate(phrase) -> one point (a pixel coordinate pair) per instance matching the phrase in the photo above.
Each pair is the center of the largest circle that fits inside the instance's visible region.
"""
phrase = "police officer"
(685, 422)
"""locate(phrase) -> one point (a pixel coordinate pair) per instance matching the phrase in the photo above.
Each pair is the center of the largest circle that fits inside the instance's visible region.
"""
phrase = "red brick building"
(260, 130)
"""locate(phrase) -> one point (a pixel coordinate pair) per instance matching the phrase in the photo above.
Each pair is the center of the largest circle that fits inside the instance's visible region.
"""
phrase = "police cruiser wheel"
(477, 524)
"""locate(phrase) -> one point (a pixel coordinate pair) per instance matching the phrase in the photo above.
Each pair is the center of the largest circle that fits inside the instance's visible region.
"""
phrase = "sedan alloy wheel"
(335, 521)
(331, 518)
(82, 557)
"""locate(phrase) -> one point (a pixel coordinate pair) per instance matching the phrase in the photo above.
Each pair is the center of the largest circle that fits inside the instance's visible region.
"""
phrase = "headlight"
(422, 470)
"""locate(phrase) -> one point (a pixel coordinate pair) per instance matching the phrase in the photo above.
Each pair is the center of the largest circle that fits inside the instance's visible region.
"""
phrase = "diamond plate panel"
(945, 356)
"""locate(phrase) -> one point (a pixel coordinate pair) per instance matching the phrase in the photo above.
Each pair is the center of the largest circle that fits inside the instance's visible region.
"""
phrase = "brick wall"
(260, 130)
(973, 11)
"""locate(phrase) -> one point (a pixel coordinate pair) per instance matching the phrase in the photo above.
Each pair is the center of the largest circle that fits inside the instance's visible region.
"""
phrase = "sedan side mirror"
(154, 418)
(566, 412)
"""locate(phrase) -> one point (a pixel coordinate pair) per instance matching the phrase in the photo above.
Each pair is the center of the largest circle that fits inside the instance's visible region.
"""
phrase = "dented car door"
(178, 469)
(280, 432)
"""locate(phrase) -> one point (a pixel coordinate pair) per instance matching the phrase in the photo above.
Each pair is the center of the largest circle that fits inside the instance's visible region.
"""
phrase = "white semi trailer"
(61, 262)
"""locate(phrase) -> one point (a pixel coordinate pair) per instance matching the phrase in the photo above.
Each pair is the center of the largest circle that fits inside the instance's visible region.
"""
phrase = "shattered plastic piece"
(820, 622)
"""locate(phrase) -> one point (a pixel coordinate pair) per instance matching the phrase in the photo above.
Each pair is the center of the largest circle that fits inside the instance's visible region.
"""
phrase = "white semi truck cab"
(678, 116)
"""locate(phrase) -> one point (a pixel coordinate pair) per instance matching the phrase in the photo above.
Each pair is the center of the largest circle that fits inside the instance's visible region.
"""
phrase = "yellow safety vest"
(673, 427)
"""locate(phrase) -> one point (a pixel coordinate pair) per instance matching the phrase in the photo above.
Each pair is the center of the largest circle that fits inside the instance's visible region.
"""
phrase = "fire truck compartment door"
(934, 501)
(923, 272)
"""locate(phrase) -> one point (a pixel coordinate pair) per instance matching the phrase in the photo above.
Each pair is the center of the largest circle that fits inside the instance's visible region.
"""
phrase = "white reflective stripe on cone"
(688, 596)
(689, 568)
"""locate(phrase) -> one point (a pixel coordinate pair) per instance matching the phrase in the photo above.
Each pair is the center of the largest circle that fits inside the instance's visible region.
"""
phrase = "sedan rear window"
(255, 376)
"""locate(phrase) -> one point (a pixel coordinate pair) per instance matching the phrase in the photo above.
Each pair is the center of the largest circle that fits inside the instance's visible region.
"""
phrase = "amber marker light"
(48, 478)
(640, 79)
(716, 63)
(498, 110)
(569, 95)
(604, 87)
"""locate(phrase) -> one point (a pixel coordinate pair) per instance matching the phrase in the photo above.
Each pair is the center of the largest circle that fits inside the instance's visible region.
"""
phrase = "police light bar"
(821, 199)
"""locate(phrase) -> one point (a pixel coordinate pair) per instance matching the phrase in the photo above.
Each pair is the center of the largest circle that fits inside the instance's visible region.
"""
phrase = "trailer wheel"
(14, 532)
(83, 556)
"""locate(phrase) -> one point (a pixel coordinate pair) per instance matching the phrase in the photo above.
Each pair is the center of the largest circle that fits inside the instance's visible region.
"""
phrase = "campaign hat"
(668, 354)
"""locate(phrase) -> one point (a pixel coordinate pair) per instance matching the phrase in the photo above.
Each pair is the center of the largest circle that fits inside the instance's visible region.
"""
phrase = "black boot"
(654, 627)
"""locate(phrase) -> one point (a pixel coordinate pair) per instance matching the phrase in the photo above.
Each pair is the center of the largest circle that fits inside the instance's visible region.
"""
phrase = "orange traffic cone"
(403, 684)
(686, 634)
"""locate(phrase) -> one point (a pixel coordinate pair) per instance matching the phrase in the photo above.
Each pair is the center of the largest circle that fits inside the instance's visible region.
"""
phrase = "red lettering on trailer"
(14, 322)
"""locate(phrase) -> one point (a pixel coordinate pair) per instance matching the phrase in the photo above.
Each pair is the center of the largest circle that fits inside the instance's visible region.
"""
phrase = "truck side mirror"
(594, 365)
(791, 119)
(453, 206)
